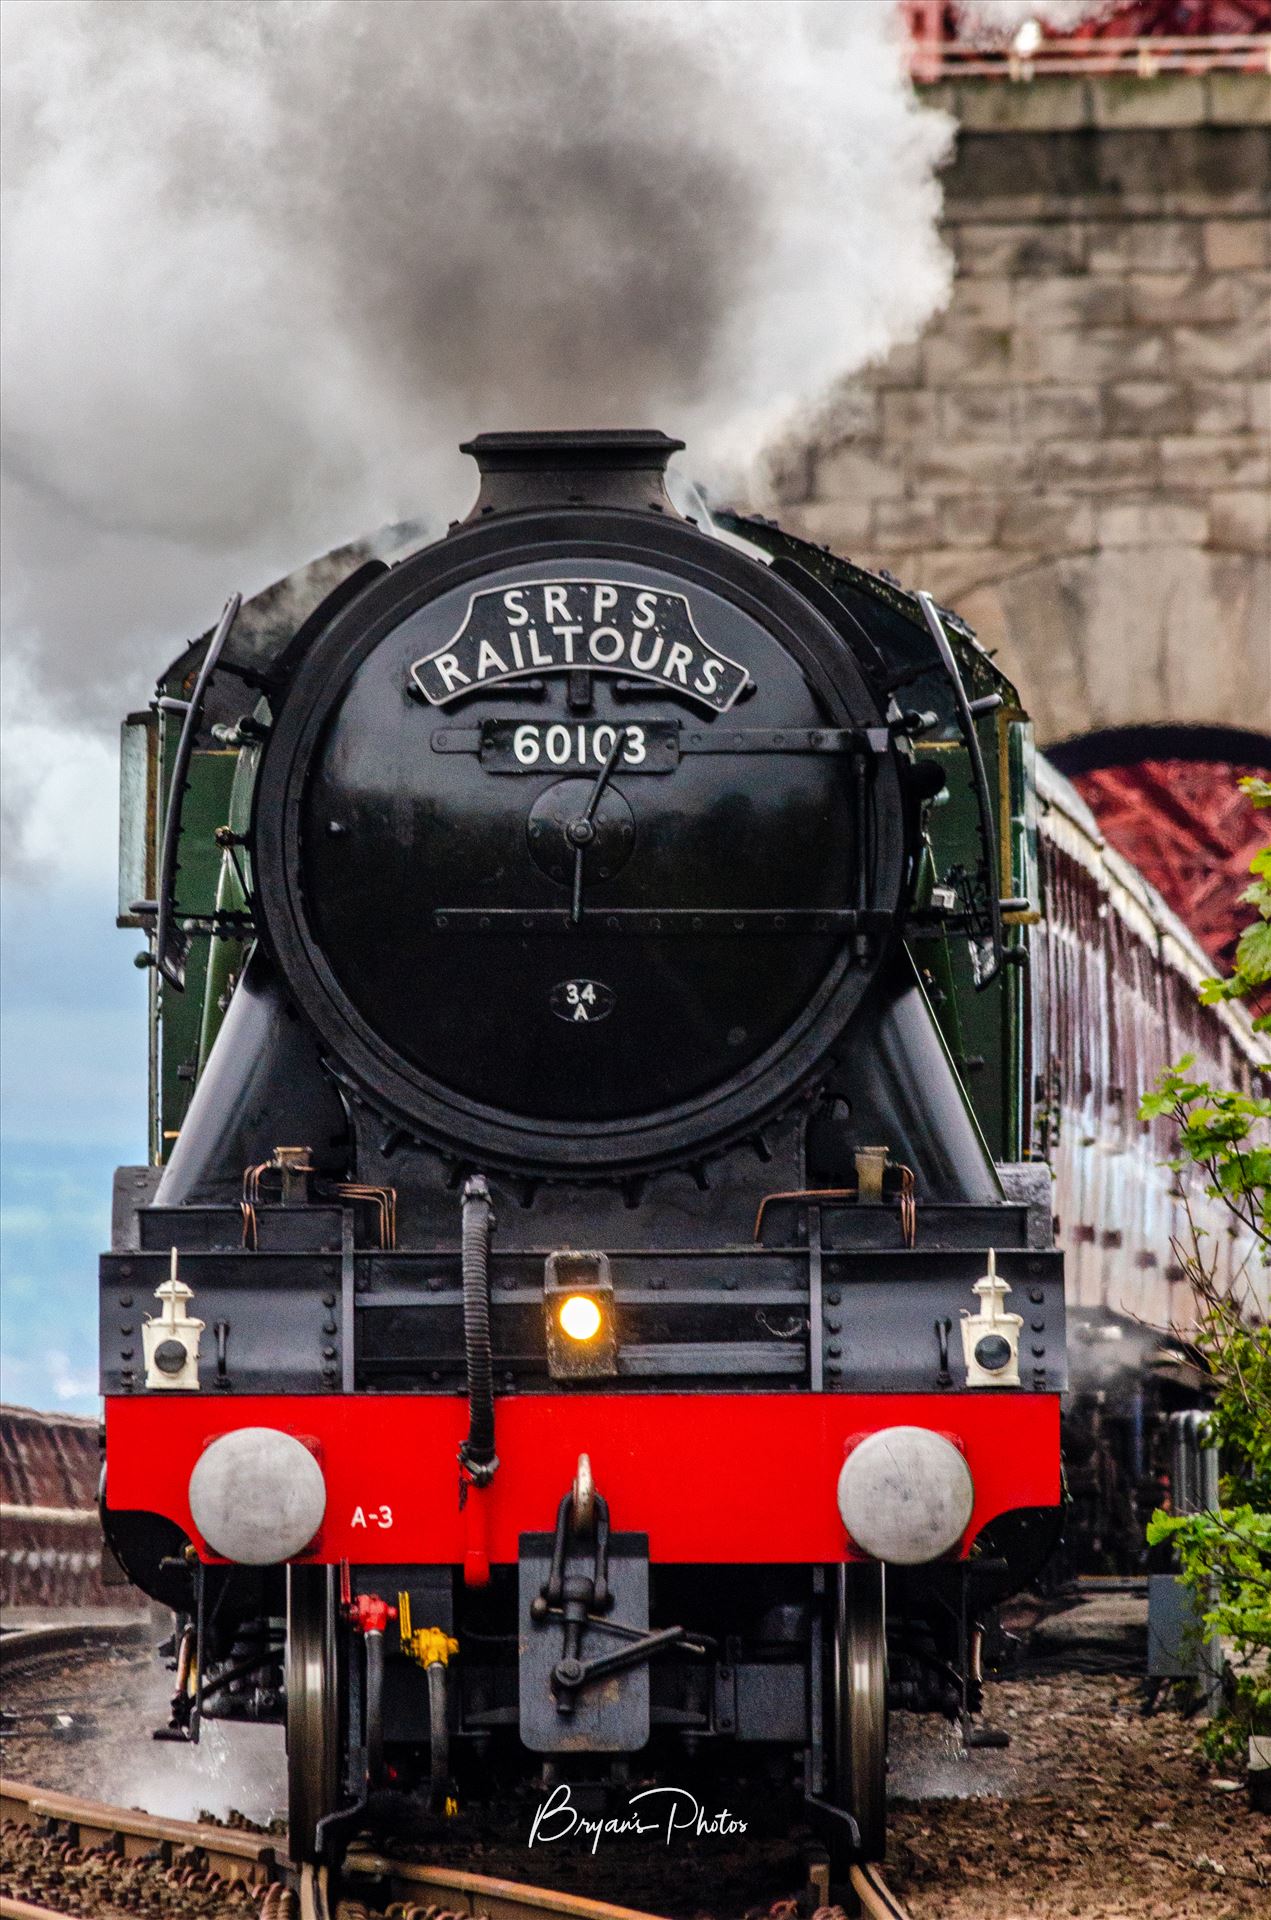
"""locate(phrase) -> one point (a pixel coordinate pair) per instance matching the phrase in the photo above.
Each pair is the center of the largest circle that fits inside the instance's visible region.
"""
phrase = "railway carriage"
(592, 1306)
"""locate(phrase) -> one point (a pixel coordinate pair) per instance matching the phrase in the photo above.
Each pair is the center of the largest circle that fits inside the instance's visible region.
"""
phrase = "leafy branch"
(1224, 1135)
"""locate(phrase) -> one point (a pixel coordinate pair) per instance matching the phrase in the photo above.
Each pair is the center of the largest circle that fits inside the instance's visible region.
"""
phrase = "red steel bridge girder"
(1191, 832)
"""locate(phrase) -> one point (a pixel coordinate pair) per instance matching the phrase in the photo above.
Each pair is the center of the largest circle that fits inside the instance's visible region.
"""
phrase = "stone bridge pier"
(1076, 454)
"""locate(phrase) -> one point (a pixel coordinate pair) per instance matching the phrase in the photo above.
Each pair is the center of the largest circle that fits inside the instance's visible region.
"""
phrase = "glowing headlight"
(579, 1316)
(257, 1496)
(582, 1340)
(905, 1495)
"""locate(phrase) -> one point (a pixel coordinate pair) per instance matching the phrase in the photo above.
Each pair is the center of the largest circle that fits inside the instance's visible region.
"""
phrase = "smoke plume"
(265, 264)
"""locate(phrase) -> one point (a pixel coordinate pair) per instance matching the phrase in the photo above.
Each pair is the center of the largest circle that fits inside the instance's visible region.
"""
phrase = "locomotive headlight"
(257, 1496)
(905, 1495)
(580, 1317)
(578, 1308)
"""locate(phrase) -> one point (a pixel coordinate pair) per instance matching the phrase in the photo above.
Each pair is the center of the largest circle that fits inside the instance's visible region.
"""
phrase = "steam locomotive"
(591, 1309)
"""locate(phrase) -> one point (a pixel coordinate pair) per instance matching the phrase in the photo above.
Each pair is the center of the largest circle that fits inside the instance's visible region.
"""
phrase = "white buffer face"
(905, 1495)
(257, 1496)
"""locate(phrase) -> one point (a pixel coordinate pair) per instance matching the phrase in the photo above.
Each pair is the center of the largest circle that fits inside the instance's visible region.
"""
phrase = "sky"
(72, 1088)
(264, 265)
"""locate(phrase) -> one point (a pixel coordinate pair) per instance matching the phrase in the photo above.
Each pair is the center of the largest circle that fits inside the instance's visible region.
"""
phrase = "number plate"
(578, 746)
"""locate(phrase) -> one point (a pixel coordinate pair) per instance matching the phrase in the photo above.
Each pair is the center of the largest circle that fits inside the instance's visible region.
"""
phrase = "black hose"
(477, 1455)
(439, 1737)
(374, 1708)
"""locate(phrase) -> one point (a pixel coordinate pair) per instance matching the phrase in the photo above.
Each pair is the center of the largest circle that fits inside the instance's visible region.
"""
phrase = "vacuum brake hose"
(477, 1456)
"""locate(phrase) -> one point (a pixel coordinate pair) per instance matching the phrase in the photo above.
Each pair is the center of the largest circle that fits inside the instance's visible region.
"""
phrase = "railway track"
(21, 1646)
(64, 1855)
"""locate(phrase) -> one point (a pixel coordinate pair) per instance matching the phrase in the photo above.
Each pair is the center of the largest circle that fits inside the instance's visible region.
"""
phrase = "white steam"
(265, 264)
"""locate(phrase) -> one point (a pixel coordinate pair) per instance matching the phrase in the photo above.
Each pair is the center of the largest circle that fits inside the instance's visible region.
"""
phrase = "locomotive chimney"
(620, 467)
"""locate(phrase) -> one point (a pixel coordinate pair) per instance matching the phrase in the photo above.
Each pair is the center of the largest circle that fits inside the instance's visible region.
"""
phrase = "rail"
(24, 1644)
(77, 1848)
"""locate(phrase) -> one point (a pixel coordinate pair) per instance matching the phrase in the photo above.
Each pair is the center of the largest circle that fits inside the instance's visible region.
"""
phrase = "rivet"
(125, 1299)
(126, 1271)
(730, 1284)
(125, 1326)
(834, 1348)
(1039, 1326)
(1039, 1353)
(328, 1299)
(834, 1295)
(126, 1353)
(328, 1353)
(328, 1326)
(833, 1323)
(1036, 1296)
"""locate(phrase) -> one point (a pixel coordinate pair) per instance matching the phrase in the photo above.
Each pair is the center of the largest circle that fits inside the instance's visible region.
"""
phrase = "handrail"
(980, 783)
(171, 944)
(1145, 55)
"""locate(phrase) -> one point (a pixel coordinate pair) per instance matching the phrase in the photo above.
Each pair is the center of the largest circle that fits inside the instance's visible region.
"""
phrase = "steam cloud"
(265, 264)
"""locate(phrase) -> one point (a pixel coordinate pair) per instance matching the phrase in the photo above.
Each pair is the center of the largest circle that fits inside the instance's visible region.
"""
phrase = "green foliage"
(1225, 1558)
(1224, 1135)
(1252, 977)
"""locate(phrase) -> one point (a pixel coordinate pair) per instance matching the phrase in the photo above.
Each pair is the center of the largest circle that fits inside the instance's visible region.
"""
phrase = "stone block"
(1008, 248)
(1089, 355)
(1231, 407)
(1218, 170)
(971, 357)
(978, 413)
(977, 466)
(1151, 523)
(1059, 413)
(1191, 299)
(854, 412)
(979, 300)
(1215, 460)
(1231, 245)
(1164, 100)
(909, 414)
(1252, 293)
(865, 470)
(1220, 353)
(1139, 407)
(1046, 523)
(969, 521)
(788, 472)
(1239, 99)
(1103, 464)
(1053, 103)
(908, 522)
(902, 367)
(841, 523)
(1145, 245)
(950, 573)
(1240, 520)
(1071, 300)
(1258, 405)
(902, 564)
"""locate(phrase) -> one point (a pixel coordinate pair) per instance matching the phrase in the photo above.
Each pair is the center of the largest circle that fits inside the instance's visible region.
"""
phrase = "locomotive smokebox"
(620, 467)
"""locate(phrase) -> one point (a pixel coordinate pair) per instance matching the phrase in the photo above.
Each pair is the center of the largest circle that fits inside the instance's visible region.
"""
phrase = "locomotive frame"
(641, 1549)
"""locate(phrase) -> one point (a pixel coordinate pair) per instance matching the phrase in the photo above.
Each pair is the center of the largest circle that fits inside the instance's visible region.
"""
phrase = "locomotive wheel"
(313, 1706)
(860, 1703)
